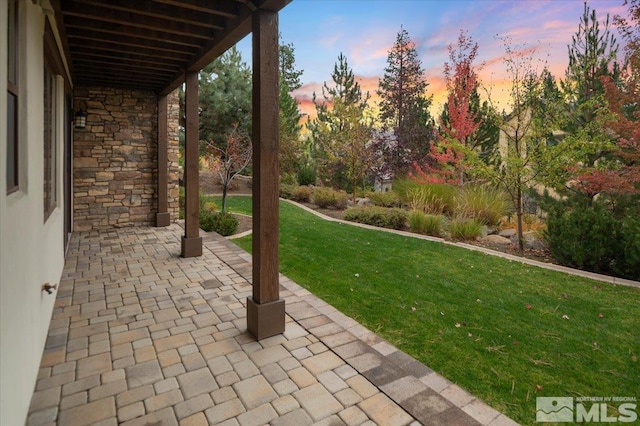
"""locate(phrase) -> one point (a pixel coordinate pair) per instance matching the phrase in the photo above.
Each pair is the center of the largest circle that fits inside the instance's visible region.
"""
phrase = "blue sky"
(365, 30)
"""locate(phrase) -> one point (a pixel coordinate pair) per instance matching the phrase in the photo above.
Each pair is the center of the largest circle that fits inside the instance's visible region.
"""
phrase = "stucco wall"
(115, 159)
(31, 249)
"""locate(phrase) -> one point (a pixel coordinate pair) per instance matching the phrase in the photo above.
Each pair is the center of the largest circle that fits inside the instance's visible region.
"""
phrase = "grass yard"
(505, 331)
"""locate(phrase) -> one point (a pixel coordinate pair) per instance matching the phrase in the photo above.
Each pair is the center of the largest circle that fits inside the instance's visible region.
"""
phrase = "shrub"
(583, 236)
(433, 198)
(627, 262)
(486, 204)
(327, 197)
(306, 176)
(301, 194)
(286, 191)
(287, 179)
(384, 199)
(463, 228)
(377, 216)
(208, 207)
(224, 224)
(428, 224)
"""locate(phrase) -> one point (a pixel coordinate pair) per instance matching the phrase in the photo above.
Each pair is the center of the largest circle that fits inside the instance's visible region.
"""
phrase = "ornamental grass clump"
(485, 204)
(428, 224)
(463, 228)
(433, 198)
(384, 199)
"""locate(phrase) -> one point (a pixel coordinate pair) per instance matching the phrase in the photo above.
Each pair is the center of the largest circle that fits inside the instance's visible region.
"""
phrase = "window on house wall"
(50, 145)
(12, 97)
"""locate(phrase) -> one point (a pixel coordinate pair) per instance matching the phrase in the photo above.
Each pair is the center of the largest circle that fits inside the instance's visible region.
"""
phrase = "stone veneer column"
(163, 217)
(115, 159)
(173, 148)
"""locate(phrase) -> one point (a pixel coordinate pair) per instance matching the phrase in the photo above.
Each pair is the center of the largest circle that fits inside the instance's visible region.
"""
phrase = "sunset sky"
(365, 31)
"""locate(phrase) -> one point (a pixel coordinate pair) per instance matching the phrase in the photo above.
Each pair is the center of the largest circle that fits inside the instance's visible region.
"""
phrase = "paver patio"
(141, 336)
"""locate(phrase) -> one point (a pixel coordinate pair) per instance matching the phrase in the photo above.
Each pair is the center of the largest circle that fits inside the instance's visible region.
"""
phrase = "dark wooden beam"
(163, 218)
(94, 59)
(191, 241)
(94, 37)
(134, 51)
(265, 311)
(104, 14)
(129, 58)
(161, 11)
(122, 32)
(237, 28)
(224, 8)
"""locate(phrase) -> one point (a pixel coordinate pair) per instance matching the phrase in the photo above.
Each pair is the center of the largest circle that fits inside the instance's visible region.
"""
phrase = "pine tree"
(225, 98)
(340, 114)
(592, 54)
(404, 106)
(290, 155)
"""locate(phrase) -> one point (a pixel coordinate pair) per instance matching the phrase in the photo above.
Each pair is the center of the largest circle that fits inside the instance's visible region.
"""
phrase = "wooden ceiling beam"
(128, 57)
(223, 8)
(122, 32)
(131, 74)
(132, 20)
(161, 11)
(122, 64)
(80, 42)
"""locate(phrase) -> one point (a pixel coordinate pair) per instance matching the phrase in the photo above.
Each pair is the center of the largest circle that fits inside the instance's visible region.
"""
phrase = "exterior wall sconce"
(80, 119)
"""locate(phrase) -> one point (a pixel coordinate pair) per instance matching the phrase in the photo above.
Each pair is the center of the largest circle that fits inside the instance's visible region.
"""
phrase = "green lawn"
(505, 331)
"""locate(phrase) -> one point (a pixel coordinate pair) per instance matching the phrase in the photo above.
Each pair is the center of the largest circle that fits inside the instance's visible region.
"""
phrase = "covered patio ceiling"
(149, 44)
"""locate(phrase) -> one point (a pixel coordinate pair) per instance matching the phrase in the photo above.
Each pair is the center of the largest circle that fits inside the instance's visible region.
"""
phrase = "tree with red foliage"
(230, 160)
(448, 153)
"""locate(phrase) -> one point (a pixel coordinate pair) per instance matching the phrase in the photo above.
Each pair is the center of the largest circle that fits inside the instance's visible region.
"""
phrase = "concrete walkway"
(140, 336)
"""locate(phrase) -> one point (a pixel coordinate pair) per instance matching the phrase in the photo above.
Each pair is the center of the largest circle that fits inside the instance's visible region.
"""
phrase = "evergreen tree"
(338, 114)
(225, 98)
(290, 155)
(404, 106)
(592, 54)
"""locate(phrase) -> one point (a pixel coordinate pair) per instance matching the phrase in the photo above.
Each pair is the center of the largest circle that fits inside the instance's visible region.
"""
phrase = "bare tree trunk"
(225, 187)
(519, 213)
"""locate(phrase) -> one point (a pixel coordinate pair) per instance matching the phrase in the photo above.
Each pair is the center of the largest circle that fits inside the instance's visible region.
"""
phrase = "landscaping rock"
(364, 202)
(507, 233)
(495, 240)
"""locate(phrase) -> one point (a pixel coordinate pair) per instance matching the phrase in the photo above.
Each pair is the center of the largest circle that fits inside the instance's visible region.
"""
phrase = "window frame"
(49, 143)
(13, 96)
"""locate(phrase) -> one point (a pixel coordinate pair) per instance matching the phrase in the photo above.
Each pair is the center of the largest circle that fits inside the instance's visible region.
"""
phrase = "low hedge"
(393, 218)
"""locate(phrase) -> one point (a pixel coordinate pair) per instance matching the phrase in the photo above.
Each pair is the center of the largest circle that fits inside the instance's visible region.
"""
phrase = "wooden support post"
(191, 241)
(265, 311)
(163, 218)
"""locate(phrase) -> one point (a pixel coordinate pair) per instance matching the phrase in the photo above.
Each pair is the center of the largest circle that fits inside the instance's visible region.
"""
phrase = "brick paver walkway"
(140, 336)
